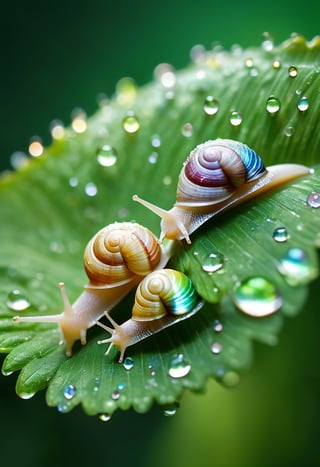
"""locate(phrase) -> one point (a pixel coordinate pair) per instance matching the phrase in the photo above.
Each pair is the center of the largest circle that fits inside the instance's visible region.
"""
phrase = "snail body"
(218, 175)
(163, 298)
(115, 260)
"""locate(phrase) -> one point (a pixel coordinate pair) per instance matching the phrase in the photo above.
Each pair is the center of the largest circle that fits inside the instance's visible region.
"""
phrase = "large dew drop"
(16, 301)
(296, 268)
(257, 297)
(179, 367)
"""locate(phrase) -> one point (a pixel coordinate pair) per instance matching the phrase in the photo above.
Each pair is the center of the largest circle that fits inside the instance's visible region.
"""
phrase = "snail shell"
(218, 175)
(115, 260)
(163, 298)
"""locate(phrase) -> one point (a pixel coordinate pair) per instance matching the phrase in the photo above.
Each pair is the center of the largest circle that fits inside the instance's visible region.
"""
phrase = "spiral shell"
(119, 252)
(161, 292)
(217, 176)
(163, 298)
(214, 170)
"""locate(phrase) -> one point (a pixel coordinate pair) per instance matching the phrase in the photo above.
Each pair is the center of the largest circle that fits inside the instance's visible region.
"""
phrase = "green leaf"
(52, 206)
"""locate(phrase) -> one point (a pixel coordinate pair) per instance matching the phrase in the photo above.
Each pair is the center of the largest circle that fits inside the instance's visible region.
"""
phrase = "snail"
(163, 298)
(218, 174)
(115, 260)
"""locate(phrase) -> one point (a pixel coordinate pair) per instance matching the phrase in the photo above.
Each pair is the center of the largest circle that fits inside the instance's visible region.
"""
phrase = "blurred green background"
(56, 56)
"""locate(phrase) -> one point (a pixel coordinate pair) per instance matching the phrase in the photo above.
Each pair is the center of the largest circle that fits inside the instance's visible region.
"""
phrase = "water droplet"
(235, 118)
(171, 409)
(211, 105)
(17, 301)
(79, 121)
(273, 105)
(187, 130)
(303, 104)
(35, 147)
(156, 141)
(128, 363)
(153, 158)
(115, 395)
(57, 129)
(164, 73)
(289, 131)
(91, 189)
(257, 296)
(179, 368)
(212, 262)
(217, 326)
(293, 71)
(295, 267)
(107, 156)
(249, 63)
(126, 91)
(26, 395)
(276, 64)
(130, 123)
(121, 386)
(73, 182)
(69, 391)
(280, 235)
(313, 200)
(267, 43)
(18, 159)
(152, 371)
(216, 348)
(104, 417)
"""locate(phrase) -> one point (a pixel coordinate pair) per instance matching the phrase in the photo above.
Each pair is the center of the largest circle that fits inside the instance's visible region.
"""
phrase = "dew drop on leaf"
(104, 417)
(216, 348)
(91, 189)
(107, 156)
(257, 296)
(293, 71)
(57, 129)
(115, 395)
(179, 367)
(295, 267)
(276, 64)
(303, 104)
(313, 200)
(152, 159)
(69, 392)
(170, 410)
(235, 118)
(280, 235)
(17, 301)
(273, 105)
(128, 363)
(211, 105)
(131, 123)
(212, 262)
(187, 130)
(217, 326)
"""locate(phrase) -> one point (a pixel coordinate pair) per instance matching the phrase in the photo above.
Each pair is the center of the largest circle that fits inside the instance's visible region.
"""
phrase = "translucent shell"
(163, 298)
(119, 252)
(217, 176)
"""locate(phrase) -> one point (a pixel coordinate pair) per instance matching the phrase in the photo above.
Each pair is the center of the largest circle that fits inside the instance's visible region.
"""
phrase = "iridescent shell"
(163, 298)
(217, 176)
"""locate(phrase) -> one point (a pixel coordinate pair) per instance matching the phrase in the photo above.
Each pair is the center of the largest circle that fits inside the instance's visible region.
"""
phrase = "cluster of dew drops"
(256, 296)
